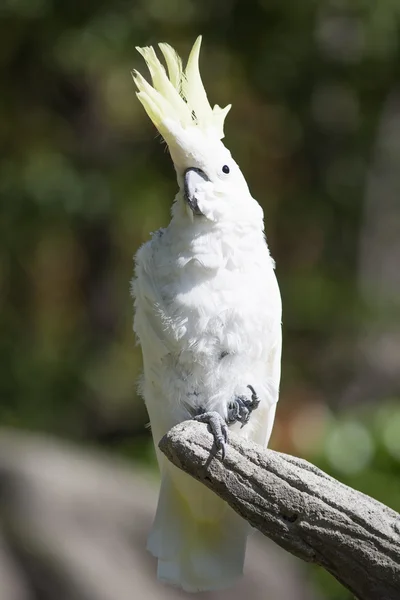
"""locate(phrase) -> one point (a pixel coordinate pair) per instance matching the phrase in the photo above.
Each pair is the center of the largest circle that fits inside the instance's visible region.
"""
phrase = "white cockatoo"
(208, 319)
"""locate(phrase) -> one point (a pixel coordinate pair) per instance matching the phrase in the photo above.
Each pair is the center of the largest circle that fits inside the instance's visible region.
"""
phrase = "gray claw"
(255, 400)
(218, 428)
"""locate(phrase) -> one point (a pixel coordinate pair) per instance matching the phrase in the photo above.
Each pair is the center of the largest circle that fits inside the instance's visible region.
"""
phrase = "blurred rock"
(74, 527)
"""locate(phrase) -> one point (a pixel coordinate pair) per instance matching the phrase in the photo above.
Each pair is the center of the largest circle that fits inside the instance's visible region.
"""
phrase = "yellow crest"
(179, 97)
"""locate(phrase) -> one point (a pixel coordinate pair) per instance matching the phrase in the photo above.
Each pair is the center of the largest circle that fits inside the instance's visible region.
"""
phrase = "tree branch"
(298, 506)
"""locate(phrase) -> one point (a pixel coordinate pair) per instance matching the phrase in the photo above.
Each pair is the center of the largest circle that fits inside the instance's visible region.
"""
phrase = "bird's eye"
(225, 169)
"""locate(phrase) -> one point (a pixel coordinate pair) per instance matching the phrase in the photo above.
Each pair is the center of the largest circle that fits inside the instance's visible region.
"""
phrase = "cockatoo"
(208, 319)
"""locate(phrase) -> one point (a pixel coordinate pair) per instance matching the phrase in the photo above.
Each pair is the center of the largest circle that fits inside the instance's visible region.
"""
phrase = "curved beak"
(193, 178)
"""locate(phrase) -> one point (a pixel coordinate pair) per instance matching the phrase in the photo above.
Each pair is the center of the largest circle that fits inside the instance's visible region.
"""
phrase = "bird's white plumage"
(208, 318)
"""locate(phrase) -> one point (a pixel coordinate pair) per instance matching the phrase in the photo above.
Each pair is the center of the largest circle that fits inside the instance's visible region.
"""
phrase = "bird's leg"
(240, 409)
(217, 426)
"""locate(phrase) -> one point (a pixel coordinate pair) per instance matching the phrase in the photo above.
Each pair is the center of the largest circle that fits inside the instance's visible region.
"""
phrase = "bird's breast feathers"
(211, 295)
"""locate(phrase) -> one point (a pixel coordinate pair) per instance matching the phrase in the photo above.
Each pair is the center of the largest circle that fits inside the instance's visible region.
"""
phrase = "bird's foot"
(218, 428)
(240, 409)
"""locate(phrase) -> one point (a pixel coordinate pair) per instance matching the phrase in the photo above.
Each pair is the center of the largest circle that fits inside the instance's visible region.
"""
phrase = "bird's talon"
(222, 448)
(254, 398)
(225, 432)
(217, 427)
(240, 409)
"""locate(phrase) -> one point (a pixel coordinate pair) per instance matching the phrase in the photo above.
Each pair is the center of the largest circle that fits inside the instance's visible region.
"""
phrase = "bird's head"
(211, 182)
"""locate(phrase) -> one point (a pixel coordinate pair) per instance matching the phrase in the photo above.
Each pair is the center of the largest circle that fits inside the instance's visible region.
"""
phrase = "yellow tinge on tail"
(199, 541)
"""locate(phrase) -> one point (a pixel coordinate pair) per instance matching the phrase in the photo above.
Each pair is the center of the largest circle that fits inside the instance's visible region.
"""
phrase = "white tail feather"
(196, 554)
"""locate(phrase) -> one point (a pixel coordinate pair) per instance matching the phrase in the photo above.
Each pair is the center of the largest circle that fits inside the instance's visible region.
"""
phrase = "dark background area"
(315, 127)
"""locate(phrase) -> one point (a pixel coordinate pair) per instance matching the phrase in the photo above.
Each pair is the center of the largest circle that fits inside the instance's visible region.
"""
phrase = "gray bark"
(301, 508)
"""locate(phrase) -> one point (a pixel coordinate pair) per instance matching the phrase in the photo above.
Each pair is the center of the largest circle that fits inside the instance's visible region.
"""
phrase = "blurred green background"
(315, 127)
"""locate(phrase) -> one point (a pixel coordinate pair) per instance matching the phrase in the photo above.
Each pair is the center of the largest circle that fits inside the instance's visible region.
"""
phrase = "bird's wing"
(265, 418)
(151, 316)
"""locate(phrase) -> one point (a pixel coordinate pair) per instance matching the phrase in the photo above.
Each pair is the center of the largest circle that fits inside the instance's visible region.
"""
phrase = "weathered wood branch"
(301, 508)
